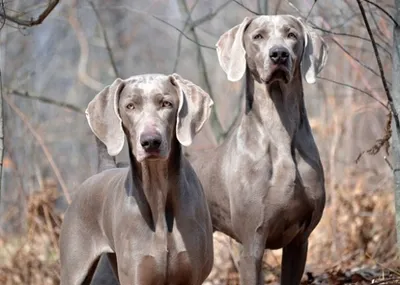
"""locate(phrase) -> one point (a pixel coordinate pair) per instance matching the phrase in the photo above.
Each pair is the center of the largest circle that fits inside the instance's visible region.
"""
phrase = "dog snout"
(279, 55)
(150, 142)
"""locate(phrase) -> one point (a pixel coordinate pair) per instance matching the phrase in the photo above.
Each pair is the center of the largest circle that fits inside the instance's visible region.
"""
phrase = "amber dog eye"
(166, 104)
(130, 106)
(258, 37)
(292, 36)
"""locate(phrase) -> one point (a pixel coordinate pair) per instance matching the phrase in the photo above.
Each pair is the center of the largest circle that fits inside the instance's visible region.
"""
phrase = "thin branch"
(248, 9)
(351, 36)
(379, 34)
(295, 8)
(382, 142)
(354, 58)
(178, 51)
(277, 7)
(215, 123)
(181, 32)
(42, 145)
(388, 162)
(31, 22)
(380, 8)
(209, 16)
(45, 100)
(379, 62)
(355, 88)
(3, 10)
(105, 37)
(179, 43)
(195, 24)
(312, 7)
(388, 131)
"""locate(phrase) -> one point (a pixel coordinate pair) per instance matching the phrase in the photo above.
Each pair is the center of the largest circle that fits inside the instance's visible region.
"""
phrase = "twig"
(312, 7)
(105, 37)
(380, 66)
(32, 22)
(181, 32)
(248, 9)
(178, 51)
(355, 88)
(42, 145)
(46, 100)
(380, 142)
(354, 58)
(50, 227)
(351, 36)
(380, 8)
(388, 162)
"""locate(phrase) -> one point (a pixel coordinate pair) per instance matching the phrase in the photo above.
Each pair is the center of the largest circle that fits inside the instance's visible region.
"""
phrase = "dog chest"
(165, 267)
(164, 259)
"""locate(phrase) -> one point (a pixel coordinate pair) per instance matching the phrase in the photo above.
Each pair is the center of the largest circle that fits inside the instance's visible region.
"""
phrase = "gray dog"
(151, 218)
(265, 185)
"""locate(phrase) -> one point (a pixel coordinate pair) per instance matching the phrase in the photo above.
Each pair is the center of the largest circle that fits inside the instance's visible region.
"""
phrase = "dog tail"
(105, 161)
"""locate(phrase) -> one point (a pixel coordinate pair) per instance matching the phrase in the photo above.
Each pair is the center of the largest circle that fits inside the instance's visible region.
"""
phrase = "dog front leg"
(294, 257)
(250, 263)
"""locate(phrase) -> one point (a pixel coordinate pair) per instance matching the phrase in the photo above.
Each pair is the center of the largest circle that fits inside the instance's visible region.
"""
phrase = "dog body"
(265, 187)
(151, 218)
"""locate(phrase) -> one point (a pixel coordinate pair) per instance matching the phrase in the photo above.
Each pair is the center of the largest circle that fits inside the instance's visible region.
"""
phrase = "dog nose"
(278, 55)
(150, 142)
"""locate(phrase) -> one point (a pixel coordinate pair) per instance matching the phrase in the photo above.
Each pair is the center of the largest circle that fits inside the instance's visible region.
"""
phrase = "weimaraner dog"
(265, 185)
(151, 218)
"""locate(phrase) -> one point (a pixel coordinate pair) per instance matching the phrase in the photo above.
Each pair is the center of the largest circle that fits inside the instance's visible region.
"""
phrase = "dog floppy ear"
(103, 117)
(193, 111)
(315, 53)
(231, 52)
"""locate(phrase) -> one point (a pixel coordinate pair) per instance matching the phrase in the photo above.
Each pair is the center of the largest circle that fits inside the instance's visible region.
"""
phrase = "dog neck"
(275, 107)
(155, 184)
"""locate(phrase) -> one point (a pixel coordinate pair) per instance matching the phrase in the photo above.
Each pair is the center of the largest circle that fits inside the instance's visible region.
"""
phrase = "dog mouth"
(153, 155)
(279, 73)
(150, 155)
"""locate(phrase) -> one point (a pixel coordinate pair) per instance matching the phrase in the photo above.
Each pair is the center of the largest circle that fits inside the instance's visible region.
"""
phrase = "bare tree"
(28, 22)
(4, 17)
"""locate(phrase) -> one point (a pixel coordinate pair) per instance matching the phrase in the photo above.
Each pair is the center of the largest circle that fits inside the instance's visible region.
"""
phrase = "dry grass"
(33, 258)
(354, 243)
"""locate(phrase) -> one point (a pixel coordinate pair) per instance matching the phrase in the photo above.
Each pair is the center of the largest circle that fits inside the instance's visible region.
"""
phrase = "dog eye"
(166, 104)
(130, 106)
(258, 37)
(292, 36)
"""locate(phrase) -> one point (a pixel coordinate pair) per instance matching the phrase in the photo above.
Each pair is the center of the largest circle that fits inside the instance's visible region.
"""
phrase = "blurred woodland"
(50, 72)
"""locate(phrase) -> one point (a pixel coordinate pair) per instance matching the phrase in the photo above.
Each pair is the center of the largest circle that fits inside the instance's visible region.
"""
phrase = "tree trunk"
(1, 132)
(395, 128)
